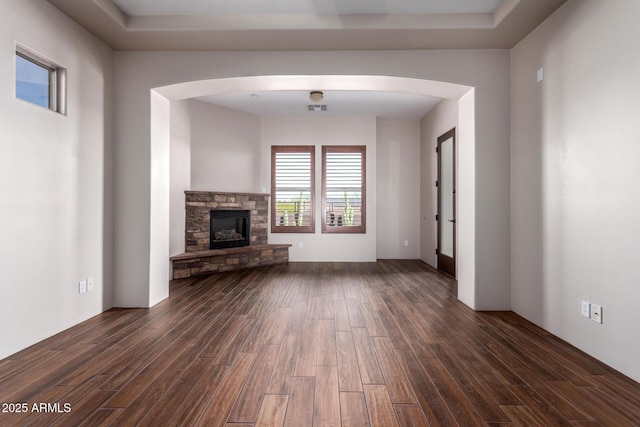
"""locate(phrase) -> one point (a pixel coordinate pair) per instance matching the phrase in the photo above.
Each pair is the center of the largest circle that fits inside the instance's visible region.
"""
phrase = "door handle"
(452, 220)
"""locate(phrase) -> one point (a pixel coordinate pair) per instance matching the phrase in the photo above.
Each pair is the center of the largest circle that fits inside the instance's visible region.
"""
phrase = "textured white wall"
(442, 118)
(319, 131)
(55, 181)
(398, 189)
(575, 201)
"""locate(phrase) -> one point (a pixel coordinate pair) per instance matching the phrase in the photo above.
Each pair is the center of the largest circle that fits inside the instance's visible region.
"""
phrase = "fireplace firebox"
(229, 229)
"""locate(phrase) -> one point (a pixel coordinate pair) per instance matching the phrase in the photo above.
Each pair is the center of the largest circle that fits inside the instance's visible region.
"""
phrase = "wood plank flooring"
(313, 344)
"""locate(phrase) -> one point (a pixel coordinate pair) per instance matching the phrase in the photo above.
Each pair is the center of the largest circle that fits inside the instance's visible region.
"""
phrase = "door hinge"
(436, 252)
(436, 183)
(436, 149)
(436, 217)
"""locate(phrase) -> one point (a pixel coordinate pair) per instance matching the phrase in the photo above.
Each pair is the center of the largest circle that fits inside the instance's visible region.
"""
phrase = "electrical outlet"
(301, 244)
(406, 243)
(83, 286)
(596, 313)
(540, 74)
(586, 309)
(90, 284)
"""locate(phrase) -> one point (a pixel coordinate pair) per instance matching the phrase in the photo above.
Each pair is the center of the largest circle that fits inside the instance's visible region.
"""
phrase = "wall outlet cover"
(586, 309)
(596, 313)
(82, 286)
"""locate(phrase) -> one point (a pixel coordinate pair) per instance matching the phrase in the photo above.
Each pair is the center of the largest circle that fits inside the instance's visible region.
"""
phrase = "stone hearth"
(199, 259)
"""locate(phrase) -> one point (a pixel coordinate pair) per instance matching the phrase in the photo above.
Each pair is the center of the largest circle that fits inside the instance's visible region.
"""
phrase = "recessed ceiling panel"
(212, 7)
(308, 25)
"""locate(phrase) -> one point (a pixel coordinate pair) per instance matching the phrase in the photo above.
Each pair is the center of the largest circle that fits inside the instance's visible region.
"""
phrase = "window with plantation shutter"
(343, 189)
(292, 189)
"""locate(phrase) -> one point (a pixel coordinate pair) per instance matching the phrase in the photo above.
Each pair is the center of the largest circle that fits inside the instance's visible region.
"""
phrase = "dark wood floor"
(379, 344)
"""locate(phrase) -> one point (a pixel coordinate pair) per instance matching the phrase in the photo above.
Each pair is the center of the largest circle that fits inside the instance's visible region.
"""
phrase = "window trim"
(311, 228)
(362, 228)
(57, 80)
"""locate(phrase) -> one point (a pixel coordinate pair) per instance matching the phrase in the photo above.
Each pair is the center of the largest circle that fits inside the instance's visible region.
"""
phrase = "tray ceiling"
(308, 24)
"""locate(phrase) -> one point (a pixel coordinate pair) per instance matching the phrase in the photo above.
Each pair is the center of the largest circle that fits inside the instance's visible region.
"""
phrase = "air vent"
(317, 107)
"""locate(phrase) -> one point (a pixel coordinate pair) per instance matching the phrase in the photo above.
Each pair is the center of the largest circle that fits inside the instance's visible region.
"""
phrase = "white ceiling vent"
(317, 107)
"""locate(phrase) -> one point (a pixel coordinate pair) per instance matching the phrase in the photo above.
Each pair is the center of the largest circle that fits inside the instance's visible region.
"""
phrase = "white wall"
(159, 270)
(180, 172)
(226, 152)
(225, 149)
(468, 242)
(574, 177)
(398, 189)
(442, 118)
(55, 181)
(137, 73)
(212, 149)
(319, 131)
(132, 192)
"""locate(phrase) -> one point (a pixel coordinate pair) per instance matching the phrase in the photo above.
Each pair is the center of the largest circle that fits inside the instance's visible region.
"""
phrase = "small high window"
(39, 81)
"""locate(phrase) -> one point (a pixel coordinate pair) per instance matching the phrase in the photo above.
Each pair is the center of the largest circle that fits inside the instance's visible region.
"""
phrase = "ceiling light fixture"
(316, 96)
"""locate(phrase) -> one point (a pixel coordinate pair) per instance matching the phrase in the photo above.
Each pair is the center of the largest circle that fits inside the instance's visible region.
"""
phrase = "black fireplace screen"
(229, 229)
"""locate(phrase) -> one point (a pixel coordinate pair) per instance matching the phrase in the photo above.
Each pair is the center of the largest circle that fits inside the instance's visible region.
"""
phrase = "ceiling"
(308, 25)
(249, 25)
(294, 103)
(210, 7)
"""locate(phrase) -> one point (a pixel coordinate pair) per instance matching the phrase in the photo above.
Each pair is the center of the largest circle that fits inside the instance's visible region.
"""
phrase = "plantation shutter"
(343, 189)
(292, 189)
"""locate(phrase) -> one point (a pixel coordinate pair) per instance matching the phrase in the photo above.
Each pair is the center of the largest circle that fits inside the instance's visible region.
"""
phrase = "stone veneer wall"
(199, 204)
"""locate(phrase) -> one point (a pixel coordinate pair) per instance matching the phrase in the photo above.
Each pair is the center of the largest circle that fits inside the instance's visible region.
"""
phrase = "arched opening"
(161, 97)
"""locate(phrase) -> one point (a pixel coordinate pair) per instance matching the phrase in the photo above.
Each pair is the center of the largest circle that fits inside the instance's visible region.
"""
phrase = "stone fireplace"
(226, 231)
(199, 206)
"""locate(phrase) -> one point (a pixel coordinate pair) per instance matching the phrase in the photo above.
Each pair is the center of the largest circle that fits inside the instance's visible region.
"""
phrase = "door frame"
(445, 263)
